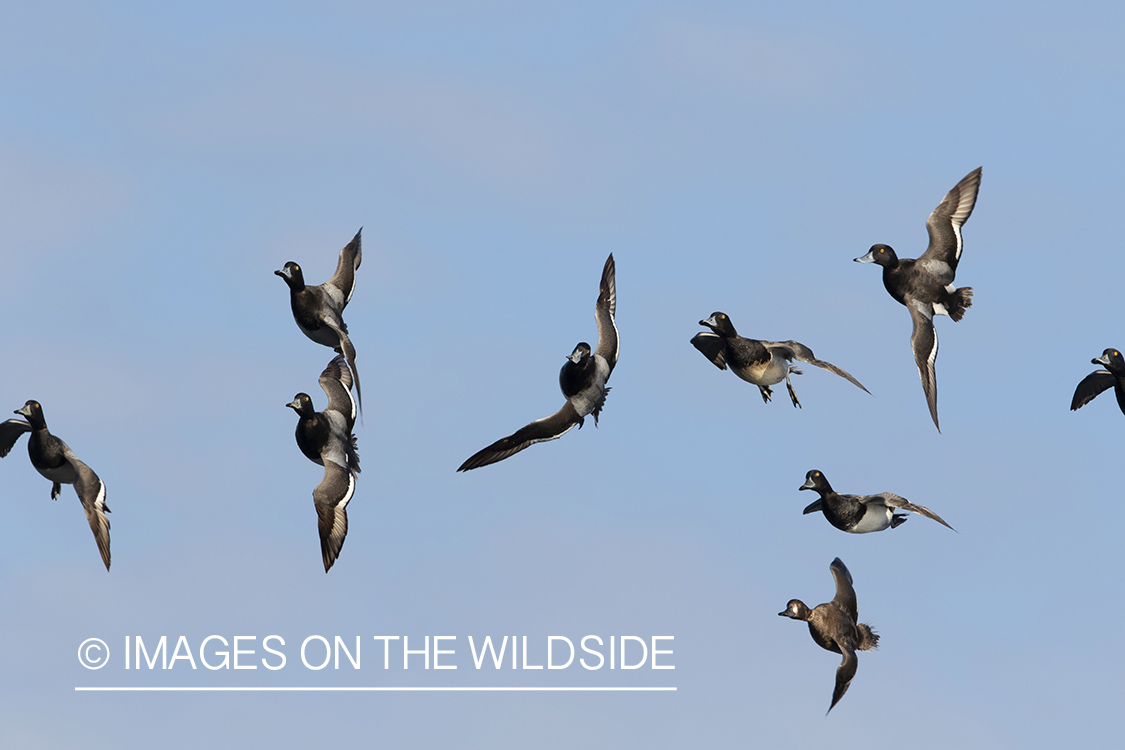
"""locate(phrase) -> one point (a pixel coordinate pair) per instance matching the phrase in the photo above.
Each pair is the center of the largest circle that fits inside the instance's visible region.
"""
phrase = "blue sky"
(157, 164)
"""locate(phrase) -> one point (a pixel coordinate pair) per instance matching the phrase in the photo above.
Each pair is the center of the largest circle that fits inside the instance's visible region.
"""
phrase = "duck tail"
(868, 638)
(959, 301)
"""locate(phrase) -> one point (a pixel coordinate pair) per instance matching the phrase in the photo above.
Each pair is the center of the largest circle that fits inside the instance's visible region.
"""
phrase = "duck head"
(880, 255)
(1111, 359)
(796, 609)
(720, 323)
(34, 413)
(302, 404)
(581, 352)
(292, 275)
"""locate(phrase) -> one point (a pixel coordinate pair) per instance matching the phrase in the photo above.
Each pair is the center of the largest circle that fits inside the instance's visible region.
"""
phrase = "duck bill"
(812, 507)
(710, 322)
(808, 485)
(24, 410)
(1102, 360)
(294, 404)
(869, 258)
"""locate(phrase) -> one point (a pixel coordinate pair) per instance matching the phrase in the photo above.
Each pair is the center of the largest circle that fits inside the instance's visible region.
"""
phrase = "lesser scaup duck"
(762, 363)
(582, 379)
(1099, 380)
(319, 310)
(54, 459)
(861, 514)
(326, 438)
(925, 285)
(835, 626)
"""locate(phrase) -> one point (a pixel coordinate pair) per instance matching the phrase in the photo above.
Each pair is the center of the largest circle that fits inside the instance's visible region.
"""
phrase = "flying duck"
(925, 285)
(326, 438)
(1099, 380)
(762, 363)
(582, 380)
(835, 626)
(861, 514)
(319, 310)
(54, 459)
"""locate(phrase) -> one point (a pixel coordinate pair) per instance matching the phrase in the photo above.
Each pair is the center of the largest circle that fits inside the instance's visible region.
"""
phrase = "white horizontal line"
(244, 689)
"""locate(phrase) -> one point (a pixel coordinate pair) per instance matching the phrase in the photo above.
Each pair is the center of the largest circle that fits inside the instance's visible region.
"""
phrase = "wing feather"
(1091, 386)
(892, 500)
(605, 313)
(10, 431)
(945, 222)
(539, 431)
(924, 343)
(344, 278)
(796, 350)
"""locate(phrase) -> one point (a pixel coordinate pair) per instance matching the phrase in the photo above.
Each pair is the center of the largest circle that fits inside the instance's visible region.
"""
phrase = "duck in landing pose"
(763, 363)
(925, 285)
(325, 437)
(582, 379)
(319, 310)
(54, 459)
(835, 626)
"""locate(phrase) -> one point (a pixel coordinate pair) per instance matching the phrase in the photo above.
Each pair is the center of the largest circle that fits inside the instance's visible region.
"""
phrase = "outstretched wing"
(348, 351)
(796, 350)
(892, 500)
(605, 312)
(712, 346)
(343, 281)
(944, 223)
(844, 674)
(539, 431)
(845, 594)
(336, 380)
(91, 492)
(10, 431)
(923, 340)
(331, 498)
(1091, 386)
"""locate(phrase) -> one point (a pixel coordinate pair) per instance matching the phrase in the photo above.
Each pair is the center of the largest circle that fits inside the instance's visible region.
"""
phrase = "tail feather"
(868, 638)
(959, 301)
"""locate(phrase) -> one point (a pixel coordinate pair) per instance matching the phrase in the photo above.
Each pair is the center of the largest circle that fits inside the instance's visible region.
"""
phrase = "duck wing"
(91, 493)
(10, 431)
(605, 312)
(845, 594)
(892, 500)
(924, 343)
(1091, 386)
(345, 347)
(844, 673)
(944, 224)
(331, 498)
(539, 431)
(795, 350)
(336, 380)
(342, 283)
(712, 346)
